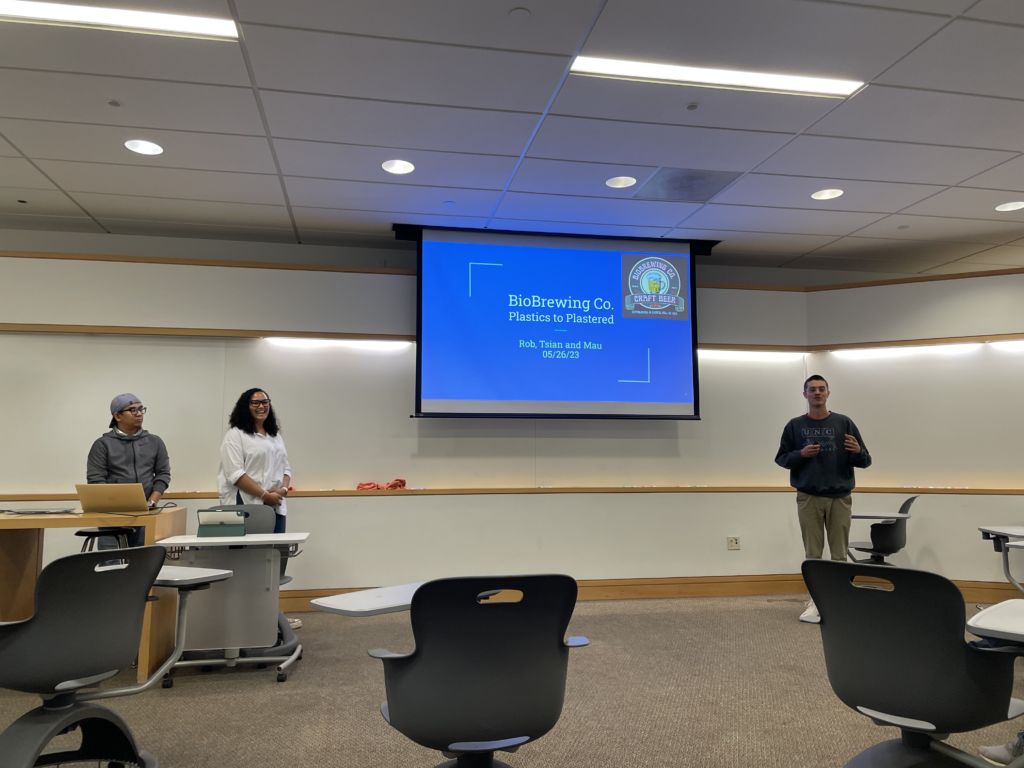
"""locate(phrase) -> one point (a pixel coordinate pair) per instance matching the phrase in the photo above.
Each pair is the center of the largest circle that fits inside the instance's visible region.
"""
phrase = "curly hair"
(241, 416)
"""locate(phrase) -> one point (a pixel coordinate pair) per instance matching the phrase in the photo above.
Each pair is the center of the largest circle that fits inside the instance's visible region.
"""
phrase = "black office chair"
(487, 674)
(895, 652)
(887, 538)
(85, 629)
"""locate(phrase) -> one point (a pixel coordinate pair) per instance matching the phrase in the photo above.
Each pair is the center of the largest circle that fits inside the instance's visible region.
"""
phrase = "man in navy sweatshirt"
(820, 450)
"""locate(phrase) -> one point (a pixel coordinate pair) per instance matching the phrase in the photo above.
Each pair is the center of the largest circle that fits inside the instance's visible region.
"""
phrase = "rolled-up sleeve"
(287, 464)
(232, 456)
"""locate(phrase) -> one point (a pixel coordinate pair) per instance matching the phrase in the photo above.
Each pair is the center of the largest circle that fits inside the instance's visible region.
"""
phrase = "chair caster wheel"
(282, 676)
(167, 682)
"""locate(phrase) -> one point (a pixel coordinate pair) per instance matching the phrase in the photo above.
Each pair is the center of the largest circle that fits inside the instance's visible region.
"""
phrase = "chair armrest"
(576, 641)
(382, 653)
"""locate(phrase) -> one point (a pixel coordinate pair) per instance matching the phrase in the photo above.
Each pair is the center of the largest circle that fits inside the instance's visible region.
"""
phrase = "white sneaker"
(810, 614)
(294, 622)
(1001, 754)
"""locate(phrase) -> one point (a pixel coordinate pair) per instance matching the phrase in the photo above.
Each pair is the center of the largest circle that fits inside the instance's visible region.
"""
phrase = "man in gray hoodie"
(128, 453)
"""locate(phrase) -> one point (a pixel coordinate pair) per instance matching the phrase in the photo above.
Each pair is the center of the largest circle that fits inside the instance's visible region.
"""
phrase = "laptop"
(113, 498)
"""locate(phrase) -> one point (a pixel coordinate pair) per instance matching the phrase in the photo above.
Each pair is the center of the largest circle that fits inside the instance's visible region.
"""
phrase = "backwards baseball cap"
(122, 401)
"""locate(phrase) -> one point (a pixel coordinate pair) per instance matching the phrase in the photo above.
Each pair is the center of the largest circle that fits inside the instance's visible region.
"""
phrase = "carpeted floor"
(690, 682)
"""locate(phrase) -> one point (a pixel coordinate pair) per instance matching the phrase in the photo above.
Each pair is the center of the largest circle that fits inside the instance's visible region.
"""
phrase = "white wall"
(927, 420)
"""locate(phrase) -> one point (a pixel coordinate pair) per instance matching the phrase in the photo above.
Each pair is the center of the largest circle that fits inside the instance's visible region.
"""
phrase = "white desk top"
(370, 602)
(1009, 531)
(1004, 621)
(182, 576)
(878, 516)
(252, 540)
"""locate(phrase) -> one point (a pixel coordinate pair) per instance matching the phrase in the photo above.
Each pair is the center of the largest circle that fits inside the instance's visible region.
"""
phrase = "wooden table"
(21, 559)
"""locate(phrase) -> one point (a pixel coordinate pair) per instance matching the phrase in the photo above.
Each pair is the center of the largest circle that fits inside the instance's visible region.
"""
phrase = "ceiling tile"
(104, 207)
(628, 101)
(18, 172)
(49, 223)
(754, 243)
(554, 26)
(424, 73)
(1007, 11)
(1008, 176)
(382, 124)
(105, 144)
(365, 196)
(907, 227)
(104, 52)
(568, 178)
(966, 203)
(576, 228)
(164, 182)
(37, 202)
(211, 231)
(592, 210)
(967, 56)
(315, 224)
(944, 7)
(880, 161)
(790, 36)
(610, 141)
(880, 248)
(740, 259)
(779, 220)
(926, 117)
(359, 163)
(1003, 255)
(795, 192)
(143, 103)
(6, 150)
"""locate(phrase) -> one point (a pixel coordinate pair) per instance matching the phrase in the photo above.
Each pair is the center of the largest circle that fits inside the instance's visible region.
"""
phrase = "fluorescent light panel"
(1014, 345)
(364, 345)
(119, 19)
(749, 356)
(714, 78)
(879, 353)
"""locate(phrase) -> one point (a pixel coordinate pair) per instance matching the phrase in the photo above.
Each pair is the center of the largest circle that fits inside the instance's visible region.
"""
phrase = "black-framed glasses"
(260, 403)
(136, 411)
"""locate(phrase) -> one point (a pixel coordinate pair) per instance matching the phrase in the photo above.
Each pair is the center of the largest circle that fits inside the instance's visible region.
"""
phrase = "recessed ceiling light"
(118, 19)
(398, 167)
(143, 147)
(714, 78)
(1014, 206)
(827, 194)
(620, 182)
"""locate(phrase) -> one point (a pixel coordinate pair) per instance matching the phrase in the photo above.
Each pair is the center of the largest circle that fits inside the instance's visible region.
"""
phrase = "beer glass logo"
(654, 286)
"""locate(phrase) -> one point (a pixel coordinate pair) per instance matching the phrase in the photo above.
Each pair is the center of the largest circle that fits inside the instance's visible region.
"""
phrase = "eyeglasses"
(137, 411)
(260, 403)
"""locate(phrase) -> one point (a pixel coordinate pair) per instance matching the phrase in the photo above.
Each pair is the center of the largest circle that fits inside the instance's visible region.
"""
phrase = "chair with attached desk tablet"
(96, 599)
(489, 667)
(895, 652)
(240, 622)
(888, 536)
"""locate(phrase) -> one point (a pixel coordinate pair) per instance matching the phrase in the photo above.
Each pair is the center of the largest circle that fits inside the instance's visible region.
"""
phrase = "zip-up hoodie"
(119, 458)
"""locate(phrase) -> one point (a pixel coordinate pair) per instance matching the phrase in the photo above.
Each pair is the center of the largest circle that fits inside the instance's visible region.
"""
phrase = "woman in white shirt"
(253, 460)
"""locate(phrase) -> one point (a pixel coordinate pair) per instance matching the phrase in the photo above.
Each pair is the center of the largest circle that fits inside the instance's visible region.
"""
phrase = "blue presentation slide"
(511, 323)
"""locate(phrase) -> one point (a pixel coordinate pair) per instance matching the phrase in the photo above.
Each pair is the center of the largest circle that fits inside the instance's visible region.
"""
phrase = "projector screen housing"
(542, 326)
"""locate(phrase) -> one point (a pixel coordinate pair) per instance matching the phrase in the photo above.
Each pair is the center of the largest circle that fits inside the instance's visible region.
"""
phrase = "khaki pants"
(820, 516)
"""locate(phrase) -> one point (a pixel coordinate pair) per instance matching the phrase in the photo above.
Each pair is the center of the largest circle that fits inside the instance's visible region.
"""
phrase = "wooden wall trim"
(258, 333)
(320, 494)
(297, 600)
(313, 267)
(241, 263)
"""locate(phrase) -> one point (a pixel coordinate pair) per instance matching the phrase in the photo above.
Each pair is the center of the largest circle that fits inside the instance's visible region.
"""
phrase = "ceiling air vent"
(685, 185)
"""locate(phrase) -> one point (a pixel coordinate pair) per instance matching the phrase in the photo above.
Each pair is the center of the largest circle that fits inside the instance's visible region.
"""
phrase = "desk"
(21, 559)
(238, 619)
(369, 602)
(1000, 536)
(1002, 621)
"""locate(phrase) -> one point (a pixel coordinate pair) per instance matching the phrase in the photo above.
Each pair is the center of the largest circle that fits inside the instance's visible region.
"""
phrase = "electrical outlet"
(732, 542)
